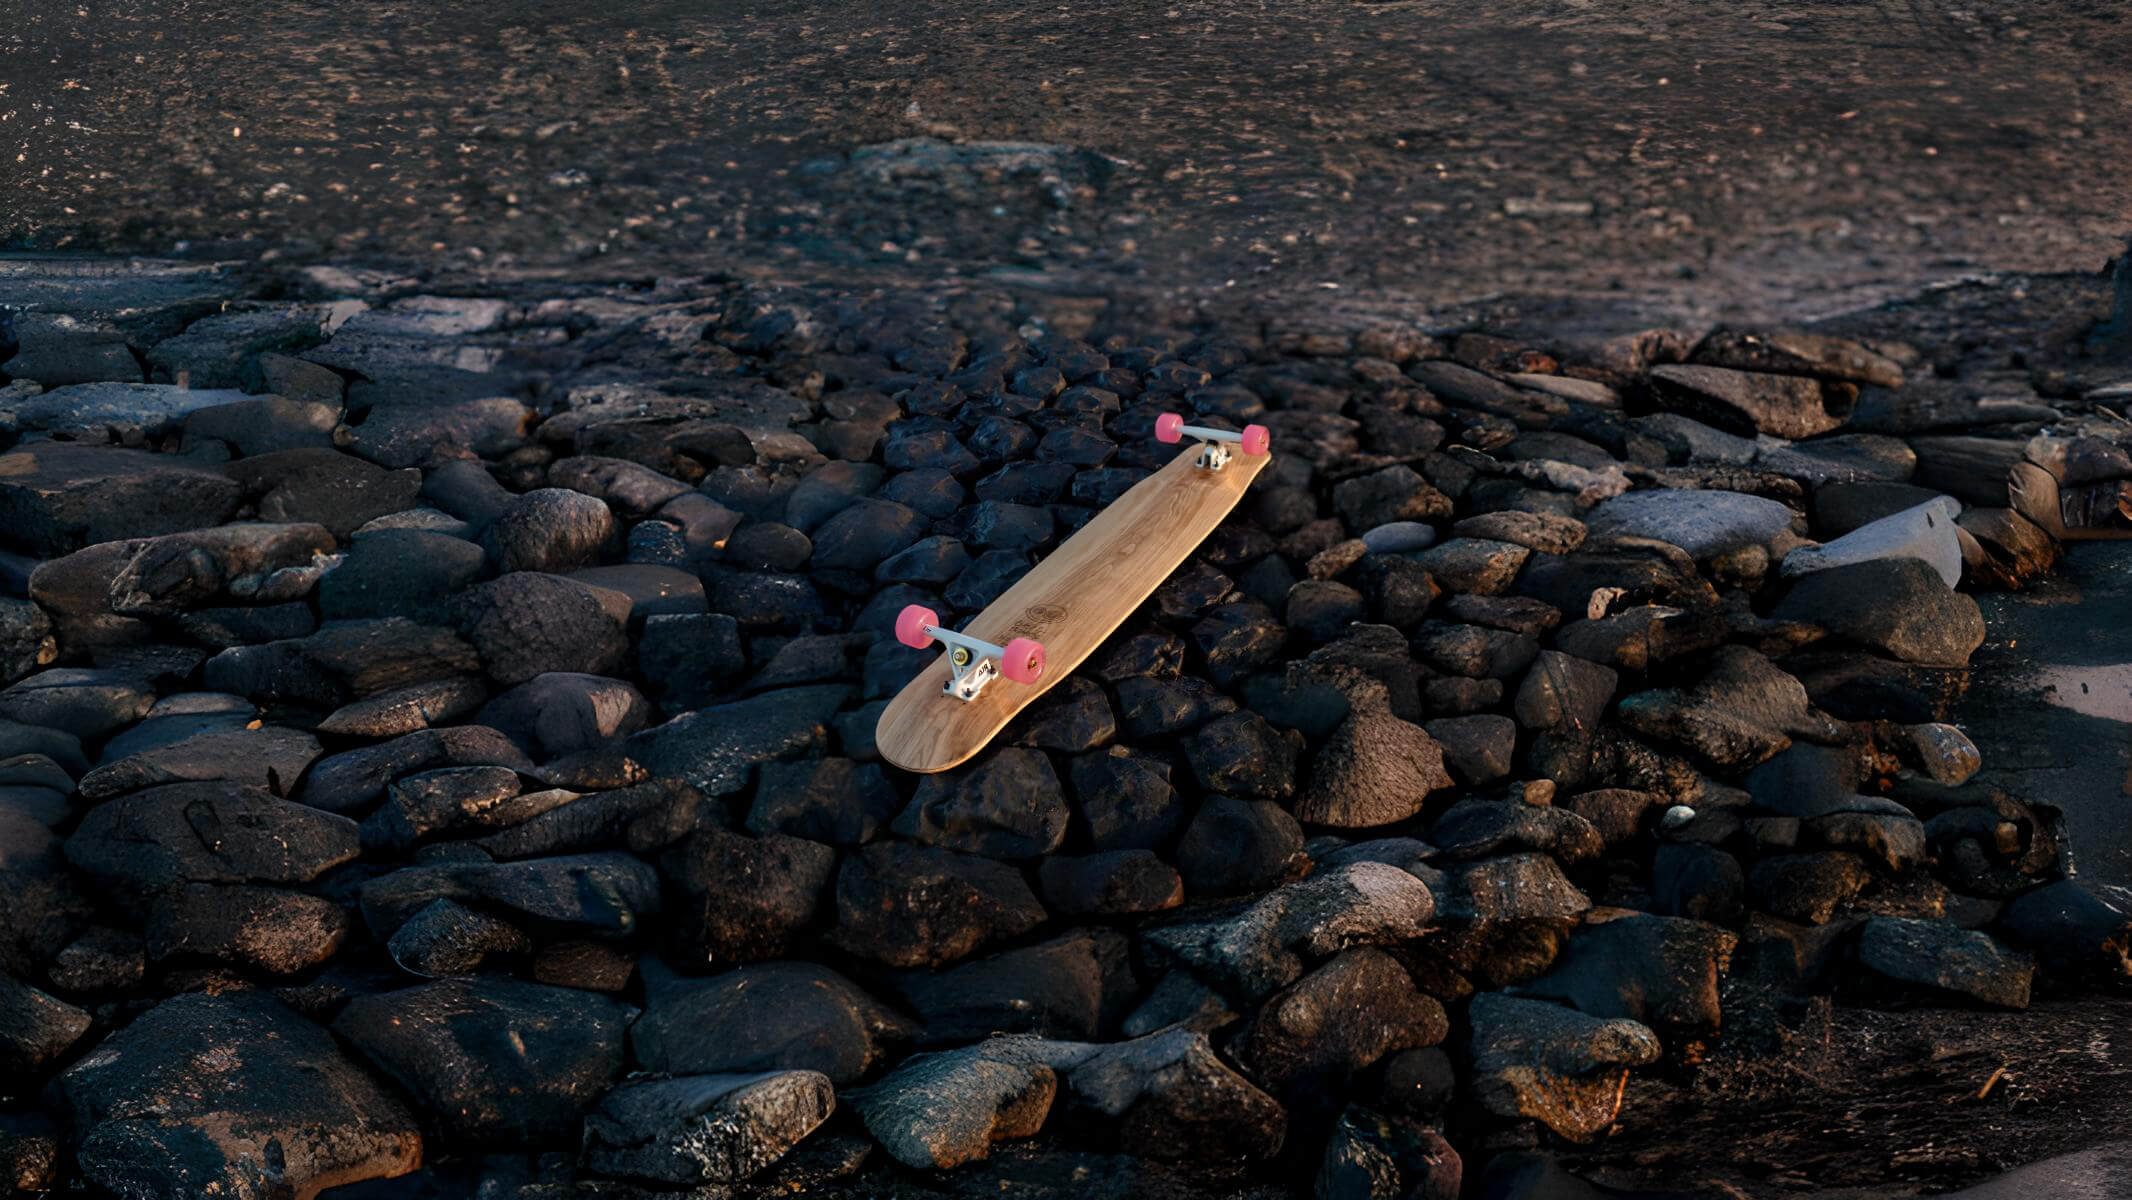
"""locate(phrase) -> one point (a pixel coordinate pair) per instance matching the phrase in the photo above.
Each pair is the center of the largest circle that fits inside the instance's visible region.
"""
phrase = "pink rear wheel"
(911, 623)
(1022, 660)
(1169, 427)
(1257, 440)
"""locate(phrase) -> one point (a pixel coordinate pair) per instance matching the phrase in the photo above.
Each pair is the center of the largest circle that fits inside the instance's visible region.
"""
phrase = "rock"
(911, 906)
(56, 497)
(2005, 549)
(775, 1016)
(258, 563)
(645, 817)
(1321, 610)
(1398, 590)
(452, 800)
(942, 1110)
(1395, 493)
(1375, 769)
(354, 780)
(266, 756)
(1895, 841)
(1940, 959)
(87, 704)
(1075, 716)
(550, 529)
(1701, 882)
(440, 1042)
(832, 800)
(1375, 1156)
(715, 749)
(1809, 354)
(1553, 1064)
(748, 897)
(1505, 918)
(1309, 1040)
(559, 713)
(420, 435)
(1898, 605)
(1663, 972)
(632, 488)
(1009, 806)
(2072, 930)
(1110, 883)
(265, 929)
(1564, 694)
(700, 1129)
(156, 839)
(325, 487)
(113, 411)
(1479, 748)
(409, 573)
(56, 349)
(1242, 755)
(1482, 828)
(1807, 888)
(231, 1095)
(1474, 651)
(1747, 403)
(447, 938)
(525, 624)
(1926, 533)
(861, 536)
(607, 893)
(1125, 798)
(1703, 523)
(1153, 707)
(1075, 986)
(1235, 845)
(35, 1029)
(1476, 566)
(1549, 533)
(1743, 712)
(1266, 945)
(1399, 537)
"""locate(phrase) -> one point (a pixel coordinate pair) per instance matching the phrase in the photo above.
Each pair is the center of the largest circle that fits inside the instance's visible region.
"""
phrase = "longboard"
(1066, 605)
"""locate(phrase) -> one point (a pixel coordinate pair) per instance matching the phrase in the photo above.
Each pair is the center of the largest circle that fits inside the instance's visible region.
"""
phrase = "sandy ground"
(1750, 159)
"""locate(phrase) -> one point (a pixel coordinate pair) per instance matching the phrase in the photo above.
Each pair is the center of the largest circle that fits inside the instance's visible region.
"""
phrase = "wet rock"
(748, 898)
(1375, 769)
(56, 497)
(1268, 944)
(1234, 845)
(1703, 523)
(1807, 888)
(1395, 493)
(704, 1128)
(550, 529)
(1898, 605)
(1376, 1156)
(1925, 533)
(943, 1110)
(1749, 403)
(831, 800)
(775, 1016)
(1110, 883)
(911, 906)
(439, 1041)
(1553, 1064)
(231, 1095)
(157, 839)
(715, 748)
(1309, 1040)
(1126, 799)
(448, 938)
(266, 929)
(1008, 806)
(1939, 959)
(35, 1029)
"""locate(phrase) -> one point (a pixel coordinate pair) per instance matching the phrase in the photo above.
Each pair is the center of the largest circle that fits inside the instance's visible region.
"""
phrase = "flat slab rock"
(1704, 523)
(231, 1095)
(56, 497)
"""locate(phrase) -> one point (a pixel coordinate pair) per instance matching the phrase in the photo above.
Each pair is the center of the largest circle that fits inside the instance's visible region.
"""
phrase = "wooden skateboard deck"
(1070, 602)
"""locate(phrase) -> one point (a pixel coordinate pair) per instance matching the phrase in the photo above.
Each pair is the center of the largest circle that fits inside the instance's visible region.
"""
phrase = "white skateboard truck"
(1213, 443)
(974, 662)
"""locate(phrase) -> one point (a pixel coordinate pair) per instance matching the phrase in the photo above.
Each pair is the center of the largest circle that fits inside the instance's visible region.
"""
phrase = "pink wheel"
(911, 623)
(1257, 440)
(1023, 660)
(1169, 427)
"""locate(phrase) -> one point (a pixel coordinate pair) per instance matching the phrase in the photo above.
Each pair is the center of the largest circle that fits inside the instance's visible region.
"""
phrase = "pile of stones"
(440, 730)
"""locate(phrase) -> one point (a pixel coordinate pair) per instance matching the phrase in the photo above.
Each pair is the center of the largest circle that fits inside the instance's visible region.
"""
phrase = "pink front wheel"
(1022, 660)
(911, 623)
(1169, 427)
(1257, 440)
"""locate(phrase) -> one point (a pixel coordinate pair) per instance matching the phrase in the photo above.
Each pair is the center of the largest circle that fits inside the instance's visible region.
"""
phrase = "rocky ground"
(436, 754)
